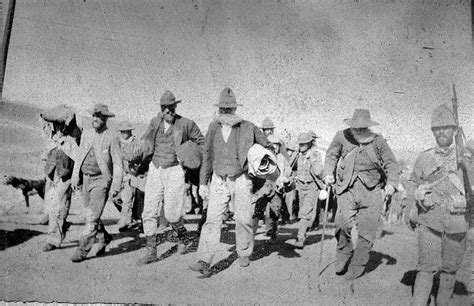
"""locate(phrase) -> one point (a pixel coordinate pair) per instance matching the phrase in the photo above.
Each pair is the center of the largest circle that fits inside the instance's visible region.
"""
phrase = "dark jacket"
(248, 134)
(184, 129)
(58, 162)
(343, 152)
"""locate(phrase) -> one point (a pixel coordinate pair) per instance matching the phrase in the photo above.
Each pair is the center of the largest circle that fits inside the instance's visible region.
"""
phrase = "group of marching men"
(359, 167)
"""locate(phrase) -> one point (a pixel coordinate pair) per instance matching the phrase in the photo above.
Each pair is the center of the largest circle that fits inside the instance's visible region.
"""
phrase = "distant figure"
(440, 211)
(361, 165)
(308, 168)
(99, 166)
(228, 141)
(271, 195)
(268, 128)
(131, 154)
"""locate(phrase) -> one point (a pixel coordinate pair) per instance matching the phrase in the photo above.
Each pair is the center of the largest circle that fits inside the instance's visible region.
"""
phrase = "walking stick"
(324, 230)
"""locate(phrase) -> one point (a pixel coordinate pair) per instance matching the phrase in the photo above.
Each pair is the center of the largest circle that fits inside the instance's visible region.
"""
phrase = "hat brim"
(228, 106)
(106, 114)
(359, 125)
(125, 129)
(173, 103)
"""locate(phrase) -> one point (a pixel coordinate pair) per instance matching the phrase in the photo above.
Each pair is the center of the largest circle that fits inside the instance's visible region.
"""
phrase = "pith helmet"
(274, 139)
(227, 99)
(360, 119)
(267, 123)
(442, 116)
(125, 126)
(304, 138)
(168, 98)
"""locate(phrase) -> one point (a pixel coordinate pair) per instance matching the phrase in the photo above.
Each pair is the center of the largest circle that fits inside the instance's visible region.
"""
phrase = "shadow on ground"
(262, 248)
(16, 237)
(460, 289)
(376, 259)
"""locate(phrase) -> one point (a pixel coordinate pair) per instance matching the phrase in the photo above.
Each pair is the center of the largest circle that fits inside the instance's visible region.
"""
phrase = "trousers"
(164, 195)
(95, 193)
(225, 192)
(57, 200)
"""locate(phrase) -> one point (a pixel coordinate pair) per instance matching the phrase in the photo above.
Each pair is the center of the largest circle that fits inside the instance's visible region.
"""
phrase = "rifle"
(460, 160)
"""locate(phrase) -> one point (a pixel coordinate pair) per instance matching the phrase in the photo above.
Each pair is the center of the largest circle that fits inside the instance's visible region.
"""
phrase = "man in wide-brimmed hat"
(308, 169)
(360, 164)
(165, 184)
(99, 167)
(440, 212)
(132, 156)
(228, 141)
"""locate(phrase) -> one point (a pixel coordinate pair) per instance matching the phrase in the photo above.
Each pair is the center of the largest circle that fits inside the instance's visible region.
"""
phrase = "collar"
(445, 150)
(128, 140)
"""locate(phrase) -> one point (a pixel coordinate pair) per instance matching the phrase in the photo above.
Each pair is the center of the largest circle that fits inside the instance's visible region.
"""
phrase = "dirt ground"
(278, 274)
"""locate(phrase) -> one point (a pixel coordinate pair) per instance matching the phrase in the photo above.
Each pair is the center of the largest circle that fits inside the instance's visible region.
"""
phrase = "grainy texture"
(306, 64)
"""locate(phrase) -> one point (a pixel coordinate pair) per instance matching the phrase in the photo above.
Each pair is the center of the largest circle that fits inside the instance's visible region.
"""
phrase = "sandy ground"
(278, 274)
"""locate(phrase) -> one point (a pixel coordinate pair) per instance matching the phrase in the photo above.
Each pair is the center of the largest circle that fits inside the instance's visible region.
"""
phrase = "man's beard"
(168, 117)
(228, 119)
(366, 137)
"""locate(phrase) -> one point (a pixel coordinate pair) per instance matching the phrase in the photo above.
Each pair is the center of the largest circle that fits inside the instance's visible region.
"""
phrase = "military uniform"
(440, 213)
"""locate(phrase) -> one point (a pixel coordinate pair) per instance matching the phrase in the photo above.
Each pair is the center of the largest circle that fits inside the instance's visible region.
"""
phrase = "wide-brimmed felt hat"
(227, 99)
(101, 109)
(125, 126)
(304, 138)
(360, 119)
(168, 98)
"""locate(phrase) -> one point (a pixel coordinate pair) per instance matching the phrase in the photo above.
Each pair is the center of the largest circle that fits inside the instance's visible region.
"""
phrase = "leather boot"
(359, 259)
(273, 237)
(85, 245)
(151, 254)
(269, 226)
(344, 252)
(422, 288)
(446, 288)
(104, 239)
(183, 240)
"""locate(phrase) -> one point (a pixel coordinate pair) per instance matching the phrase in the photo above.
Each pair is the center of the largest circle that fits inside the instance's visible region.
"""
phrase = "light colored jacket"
(107, 152)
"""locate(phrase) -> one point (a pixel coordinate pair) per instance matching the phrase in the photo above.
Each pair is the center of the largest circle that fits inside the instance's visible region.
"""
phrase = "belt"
(305, 182)
(92, 175)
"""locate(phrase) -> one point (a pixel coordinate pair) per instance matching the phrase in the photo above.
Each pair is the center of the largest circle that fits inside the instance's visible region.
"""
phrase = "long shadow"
(18, 236)
(136, 243)
(376, 259)
(262, 248)
(409, 278)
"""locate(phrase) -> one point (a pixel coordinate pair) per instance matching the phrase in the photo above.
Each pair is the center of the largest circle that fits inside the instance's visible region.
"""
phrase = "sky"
(305, 64)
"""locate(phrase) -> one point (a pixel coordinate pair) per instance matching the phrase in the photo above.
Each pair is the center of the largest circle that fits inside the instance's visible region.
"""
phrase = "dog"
(28, 187)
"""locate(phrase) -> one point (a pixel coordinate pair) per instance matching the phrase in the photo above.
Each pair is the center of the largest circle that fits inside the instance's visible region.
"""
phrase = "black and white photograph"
(237, 152)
